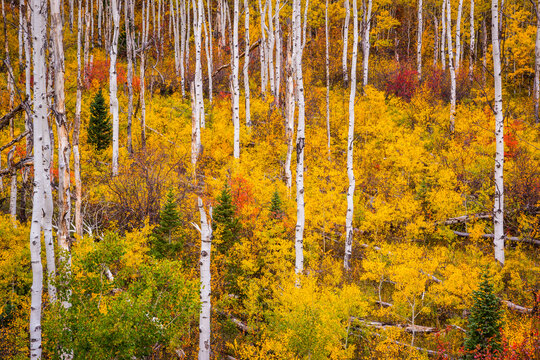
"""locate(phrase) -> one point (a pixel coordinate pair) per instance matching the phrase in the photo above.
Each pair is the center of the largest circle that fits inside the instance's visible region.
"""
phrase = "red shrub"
(402, 83)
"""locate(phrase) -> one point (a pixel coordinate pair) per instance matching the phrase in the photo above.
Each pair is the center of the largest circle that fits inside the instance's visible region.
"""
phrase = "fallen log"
(407, 327)
(509, 238)
(516, 307)
(465, 218)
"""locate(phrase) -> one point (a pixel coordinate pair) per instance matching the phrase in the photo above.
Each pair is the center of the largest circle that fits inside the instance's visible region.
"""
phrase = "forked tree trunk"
(498, 204)
(206, 305)
(451, 66)
(112, 85)
(350, 147)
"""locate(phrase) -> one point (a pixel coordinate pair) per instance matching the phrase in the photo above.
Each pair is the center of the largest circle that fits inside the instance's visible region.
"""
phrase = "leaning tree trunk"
(234, 80)
(113, 87)
(64, 151)
(451, 66)
(345, 42)
(76, 131)
(350, 148)
(537, 66)
(246, 63)
(457, 61)
(472, 43)
(419, 42)
(498, 205)
(206, 305)
(300, 136)
(41, 131)
(366, 43)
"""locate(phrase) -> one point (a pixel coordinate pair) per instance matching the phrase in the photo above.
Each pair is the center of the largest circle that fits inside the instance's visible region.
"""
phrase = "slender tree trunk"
(300, 136)
(112, 86)
(206, 305)
(327, 73)
(76, 131)
(129, 16)
(263, 50)
(207, 39)
(176, 39)
(457, 61)
(289, 111)
(498, 206)
(366, 43)
(419, 42)
(38, 24)
(270, 47)
(345, 42)
(100, 20)
(472, 43)
(451, 67)
(198, 9)
(443, 34)
(195, 131)
(484, 51)
(246, 63)
(436, 47)
(279, 44)
(86, 39)
(536, 89)
(184, 43)
(144, 40)
(350, 147)
(64, 148)
(234, 81)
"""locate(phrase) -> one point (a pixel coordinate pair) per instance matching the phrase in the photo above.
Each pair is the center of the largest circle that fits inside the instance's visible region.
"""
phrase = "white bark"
(142, 68)
(176, 38)
(436, 47)
(39, 32)
(345, 41)
(246, 63)
(86, 39)
(498, 206)
(443, 34)
(198, 9)
(195, 131)
(350, 147)
(270, 48)
(112, 85)
(300, 136)
(208, 48)
(451, 66)
(184, 43)
(457, 60)
(536, 88)
(129, 18)
(263, 50)
(206, 304)
(76, 131)
(472, 42)
(366, 43)
(279, 44)
(327, 73)
(419, 41)
(289, 111)
(234, 80)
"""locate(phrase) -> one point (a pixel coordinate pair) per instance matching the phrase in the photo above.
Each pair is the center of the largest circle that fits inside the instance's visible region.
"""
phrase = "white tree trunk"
(472, 42)
(270, 47)
(436, 47)
(142, 68)
(208, 48)
(112, 86)
(279, 45)
(300, 135)
(129, 18)
(289, 111)
(184, 43)
(350, 148)
(451, 66)
(458, 35)
(345, 41)
(263, 50)
(198, 9)
(498, 206)
(327, 73)
(419, 41)
(366, 43)
(206, 304)
(76, 131)
(246, 63)
(536, 88)
(234, 80)
(38, 24)
(86, 39)
(443, 34)
(195, 131)
(176, 35)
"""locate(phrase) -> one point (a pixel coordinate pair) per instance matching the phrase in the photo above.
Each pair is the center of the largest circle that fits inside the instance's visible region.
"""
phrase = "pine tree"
(99, 127)
(485, 321)
(225, 223)
(165, 240)
(276, 211)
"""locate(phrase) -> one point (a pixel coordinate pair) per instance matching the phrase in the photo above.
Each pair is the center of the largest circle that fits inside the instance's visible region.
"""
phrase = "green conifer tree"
(276, 211)
(484, 336)
(99, 127)
(166, 240)
(225, 223)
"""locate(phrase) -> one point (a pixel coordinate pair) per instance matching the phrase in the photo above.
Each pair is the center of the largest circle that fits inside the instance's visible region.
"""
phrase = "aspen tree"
(289, 111)
(366, 43)
(300, 135)
(457, 61)
(472, 42)
(27, 44)
(350, 147)
(113, 87)
(436, 40)
(270, 48)
(536, 87)
(99, 20)
(498, 204)
(76, 131)
(206, 305)
(279, 45)
(419, 42)
(198, 9)
(39, 33)
(263, 49)
(345, 41)
(86, 38)
(142, 68)
(234, 81)
(176, 37)
(195, 130)
(129, 16)
(246, 63)
(327, 73)
(184, 42)
(71, 15)
(451, 66)
(443, 34)
(64, 149)
(207, 42)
